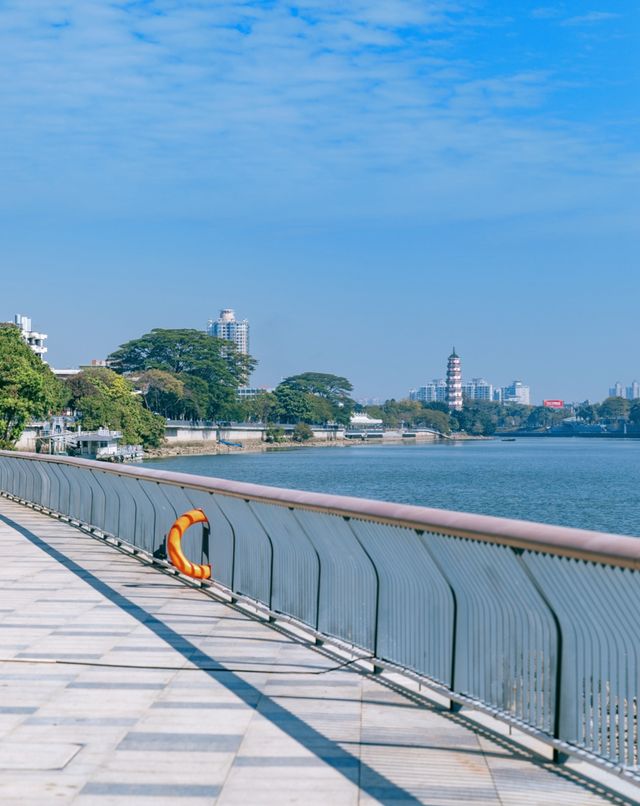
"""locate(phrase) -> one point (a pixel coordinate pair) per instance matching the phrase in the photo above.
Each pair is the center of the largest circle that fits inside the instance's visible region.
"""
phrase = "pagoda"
(454, 382)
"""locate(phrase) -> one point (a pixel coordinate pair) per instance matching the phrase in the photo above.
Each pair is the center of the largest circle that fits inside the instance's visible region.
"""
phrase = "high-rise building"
(633, 391)
(516, 392)
(454, 382)
(477, 389)
(34, 339)
(616, 390)
(229, 328)
(433, 392)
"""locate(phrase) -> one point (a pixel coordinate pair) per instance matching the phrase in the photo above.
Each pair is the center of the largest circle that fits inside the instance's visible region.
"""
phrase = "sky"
(369, 183)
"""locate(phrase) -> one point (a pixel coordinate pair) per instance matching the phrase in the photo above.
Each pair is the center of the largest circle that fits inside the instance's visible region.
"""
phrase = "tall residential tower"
(33, 338)
(227, 327)
(454, 382)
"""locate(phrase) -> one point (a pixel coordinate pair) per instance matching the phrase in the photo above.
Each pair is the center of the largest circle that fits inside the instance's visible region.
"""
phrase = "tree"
(481, 417)
(189, 354)
(588, 412)
(260, 408)
(28, 388)
(162, 392)
(634, 412)
(434, 418)
(176, 397)
(544, 417)
(104, 399)
(613, 408)
(331, 389)
(438, 405)
(293, 405)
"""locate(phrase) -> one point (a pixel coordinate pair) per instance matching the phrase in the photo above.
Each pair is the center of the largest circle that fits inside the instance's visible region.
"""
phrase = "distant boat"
(508, 439)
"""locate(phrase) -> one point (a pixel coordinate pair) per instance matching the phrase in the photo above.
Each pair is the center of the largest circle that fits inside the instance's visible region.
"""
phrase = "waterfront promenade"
(119, 684)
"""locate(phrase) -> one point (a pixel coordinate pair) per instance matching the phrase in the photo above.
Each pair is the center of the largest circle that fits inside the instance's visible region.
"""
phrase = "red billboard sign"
(553, 404)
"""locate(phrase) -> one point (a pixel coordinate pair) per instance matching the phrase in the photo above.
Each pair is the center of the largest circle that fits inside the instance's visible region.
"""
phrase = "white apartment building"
(33, 338)
(433, 392)
(477, 389)
(227, 327)
(250, 392)
(516, 392)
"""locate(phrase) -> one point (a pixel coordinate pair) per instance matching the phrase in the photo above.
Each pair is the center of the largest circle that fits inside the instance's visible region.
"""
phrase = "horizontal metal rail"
(535, 623)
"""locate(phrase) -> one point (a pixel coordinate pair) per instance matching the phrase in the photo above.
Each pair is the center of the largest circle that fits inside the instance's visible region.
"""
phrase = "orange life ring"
(174, 548)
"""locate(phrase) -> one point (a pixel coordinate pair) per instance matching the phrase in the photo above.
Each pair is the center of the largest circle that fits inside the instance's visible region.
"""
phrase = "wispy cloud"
(546, 13)
(375, 107)
(591, 18)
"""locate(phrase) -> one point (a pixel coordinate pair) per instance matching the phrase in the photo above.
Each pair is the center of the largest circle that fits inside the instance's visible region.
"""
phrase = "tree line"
(188, 375)
(165, 374)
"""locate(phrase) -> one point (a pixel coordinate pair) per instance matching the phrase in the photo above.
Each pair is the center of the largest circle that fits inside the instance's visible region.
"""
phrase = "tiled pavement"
(189, 733)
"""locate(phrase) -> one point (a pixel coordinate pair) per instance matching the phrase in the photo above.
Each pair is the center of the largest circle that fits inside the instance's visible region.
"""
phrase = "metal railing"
(536, 624)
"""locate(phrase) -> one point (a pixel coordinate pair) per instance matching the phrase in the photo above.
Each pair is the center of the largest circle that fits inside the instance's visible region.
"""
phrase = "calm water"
(593, 484)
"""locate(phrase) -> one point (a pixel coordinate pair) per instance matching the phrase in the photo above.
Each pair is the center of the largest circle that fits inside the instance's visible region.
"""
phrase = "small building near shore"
(363, 420)
(105, 445)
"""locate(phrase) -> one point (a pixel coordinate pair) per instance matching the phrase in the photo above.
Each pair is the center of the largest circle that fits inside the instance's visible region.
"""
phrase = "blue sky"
(367, 182)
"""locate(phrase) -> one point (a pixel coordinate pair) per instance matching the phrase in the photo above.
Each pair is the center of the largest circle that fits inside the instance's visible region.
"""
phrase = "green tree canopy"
(477, 417)
(293, 406)
(104, 399)
(634, 412)
(544, 417)
(331, 393)
(614, 407)
(28, 388)
(178, 397)
(588, 412)
(261, 408)
(189, 354)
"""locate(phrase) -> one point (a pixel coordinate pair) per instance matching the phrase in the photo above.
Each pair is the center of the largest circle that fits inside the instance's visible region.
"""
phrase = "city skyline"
(238, 331)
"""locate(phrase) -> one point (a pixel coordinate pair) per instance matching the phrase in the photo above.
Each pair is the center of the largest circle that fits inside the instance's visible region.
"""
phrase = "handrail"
(580, 544)
(529, 622)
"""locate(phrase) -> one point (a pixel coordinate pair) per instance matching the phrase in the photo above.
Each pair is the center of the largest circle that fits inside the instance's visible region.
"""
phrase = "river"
(588, 483)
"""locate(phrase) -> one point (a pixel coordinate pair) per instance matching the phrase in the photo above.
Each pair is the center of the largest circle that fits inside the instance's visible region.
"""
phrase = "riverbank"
(215, 448)
(255, 446)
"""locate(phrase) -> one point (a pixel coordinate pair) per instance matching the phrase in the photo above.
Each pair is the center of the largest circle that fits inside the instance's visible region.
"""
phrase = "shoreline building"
(33, 338)
(227, 327)
(454, 382)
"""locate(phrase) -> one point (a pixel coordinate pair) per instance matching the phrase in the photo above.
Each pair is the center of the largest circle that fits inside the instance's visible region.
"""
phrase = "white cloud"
(591, 17)
(353, 107)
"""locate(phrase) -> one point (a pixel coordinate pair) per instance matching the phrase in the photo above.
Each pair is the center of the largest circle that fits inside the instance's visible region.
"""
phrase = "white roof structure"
(363, 419)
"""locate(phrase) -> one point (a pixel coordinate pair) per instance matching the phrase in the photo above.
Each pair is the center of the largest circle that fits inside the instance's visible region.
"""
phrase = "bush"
(302, 432)
(274, 434)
